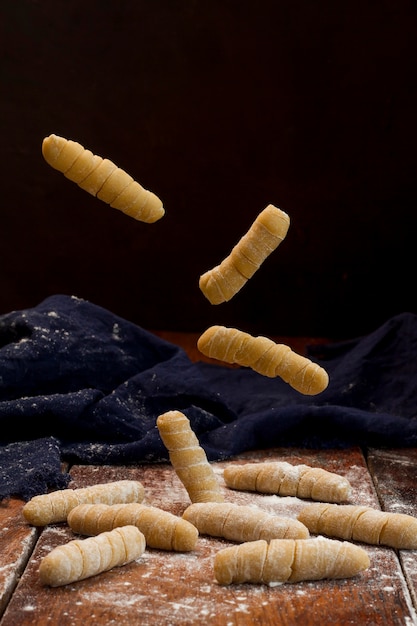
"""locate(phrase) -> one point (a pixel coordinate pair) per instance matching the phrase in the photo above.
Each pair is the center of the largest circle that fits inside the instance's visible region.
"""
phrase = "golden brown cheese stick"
(264, 356)
(289, 561)
(285, 479)
(222, 282)
(242, 523)
(162, 529)
(101, 178)
(84, 558)
(188, 458)
(54, 507)
(361, 523)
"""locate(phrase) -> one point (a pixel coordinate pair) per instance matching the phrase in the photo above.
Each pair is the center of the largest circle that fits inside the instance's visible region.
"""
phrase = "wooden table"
(166, 588)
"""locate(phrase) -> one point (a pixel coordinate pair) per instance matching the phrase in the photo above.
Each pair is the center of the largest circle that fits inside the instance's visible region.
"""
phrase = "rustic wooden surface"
(166, 588)
(163, 588)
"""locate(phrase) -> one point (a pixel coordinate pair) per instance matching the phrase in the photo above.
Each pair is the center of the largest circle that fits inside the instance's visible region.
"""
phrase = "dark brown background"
(219, 107)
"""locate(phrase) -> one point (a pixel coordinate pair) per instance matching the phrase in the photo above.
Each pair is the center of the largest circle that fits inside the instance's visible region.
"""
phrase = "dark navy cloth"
(80, 384)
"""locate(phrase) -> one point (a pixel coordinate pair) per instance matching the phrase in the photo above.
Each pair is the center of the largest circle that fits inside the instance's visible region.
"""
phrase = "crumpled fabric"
(83, 385)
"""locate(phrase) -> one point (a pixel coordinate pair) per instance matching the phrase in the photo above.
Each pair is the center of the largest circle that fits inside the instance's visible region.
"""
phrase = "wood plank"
(163, 588)
(394, 472)
(17, 540)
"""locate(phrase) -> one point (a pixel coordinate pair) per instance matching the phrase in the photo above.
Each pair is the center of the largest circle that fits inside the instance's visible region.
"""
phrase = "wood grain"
(394, 472)
(17, 540)
(163, 588)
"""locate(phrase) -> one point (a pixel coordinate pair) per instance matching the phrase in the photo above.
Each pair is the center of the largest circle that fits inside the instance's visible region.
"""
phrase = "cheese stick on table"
(162, 529)
(54, 507)
(361, 523)
(287, 479)
(242, 523)
(289, 561)
(83, 558)
(188, 458)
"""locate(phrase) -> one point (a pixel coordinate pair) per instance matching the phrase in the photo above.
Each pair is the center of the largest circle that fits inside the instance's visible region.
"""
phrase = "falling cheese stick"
(102, 178)
(223, 281)
(264, 356)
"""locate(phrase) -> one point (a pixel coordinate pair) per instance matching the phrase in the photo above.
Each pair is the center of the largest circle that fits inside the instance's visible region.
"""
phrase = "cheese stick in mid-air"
(101, 178)
(222, 282)
(264, 356)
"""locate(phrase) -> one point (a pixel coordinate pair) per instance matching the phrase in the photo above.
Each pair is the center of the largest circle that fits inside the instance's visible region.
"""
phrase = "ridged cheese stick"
(162, 530)
(242, 523)
(54, 507)
(222, 282)
(361, 523)
(264, 356)
(79, 559)
(289, 561)
(286, 479)
(188, 458)
(102, 178)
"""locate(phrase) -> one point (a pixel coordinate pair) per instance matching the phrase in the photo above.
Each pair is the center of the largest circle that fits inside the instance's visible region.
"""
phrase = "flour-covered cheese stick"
(102, 178)
(188, 458)
(264, 356)
(242, 523)
(79, 559)
(54, 507)
(162, 529)
(289, 561)
(222, 282)
(361, 523)
(286, 479)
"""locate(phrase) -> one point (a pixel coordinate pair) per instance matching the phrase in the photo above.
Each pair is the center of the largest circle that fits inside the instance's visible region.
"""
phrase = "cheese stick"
(286, 479)
(289, 561)
(162, 530)
(242, 523)
(222, 282)
(188, 458)
(54, 507)
(79, 559)
(361, 523)
(264, 356)
(101, 178)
